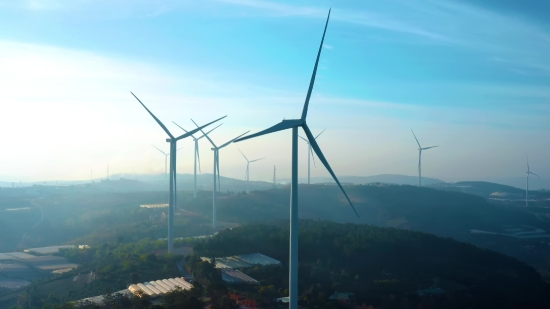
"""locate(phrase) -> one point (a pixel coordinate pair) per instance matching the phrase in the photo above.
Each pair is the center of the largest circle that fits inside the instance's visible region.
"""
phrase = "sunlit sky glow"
(470, 76)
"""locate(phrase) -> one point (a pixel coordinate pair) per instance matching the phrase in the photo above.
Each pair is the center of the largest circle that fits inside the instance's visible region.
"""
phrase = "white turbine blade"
(416, 139)
(181, 128)
(283, 125)
(527, 164)
(207, 137)
(321, 157)
(243, 155)
(155, 117)
(430, 147)
(320, 133)
(312, 156)
(308, 96)
(256, 160)
(231, 141)
(205, 134)
(198, 129)
(179, 149)
(303, 139)
(218, 168)
(160, 150)
(199, 160)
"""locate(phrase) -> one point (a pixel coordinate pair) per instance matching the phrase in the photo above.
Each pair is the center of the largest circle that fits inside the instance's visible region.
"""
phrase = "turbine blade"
(312, 156)
(207, 137)
(320, 133)
(308, 96)
(164, 153)
(303, 138)
(243, 155)
(231, 141)
(416, 139)
(256, 160)
(155, 117)
(321, 157)
(534, 174)
(179, 149)
(181, 127)
(283, 125)
(205, 134)
(198, 128)
(199, 160)
(430, 147)
(218, 168)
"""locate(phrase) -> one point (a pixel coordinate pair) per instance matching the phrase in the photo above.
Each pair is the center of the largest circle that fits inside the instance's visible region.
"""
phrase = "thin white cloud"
(523, 44)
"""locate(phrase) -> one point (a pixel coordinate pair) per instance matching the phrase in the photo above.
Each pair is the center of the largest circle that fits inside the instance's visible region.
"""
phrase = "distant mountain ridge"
(382, 178)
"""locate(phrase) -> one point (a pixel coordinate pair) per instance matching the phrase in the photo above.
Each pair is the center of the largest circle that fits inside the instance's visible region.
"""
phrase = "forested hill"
(445, 213)
(385, 267)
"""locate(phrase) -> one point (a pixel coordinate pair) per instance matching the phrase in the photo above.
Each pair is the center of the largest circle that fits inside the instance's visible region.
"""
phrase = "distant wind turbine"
(197, 156)
(248, 170)
(309, 156)
(420, 158)
(173, 141)
(294, 124)
(165, 159)
(527, 183)
(216, 173)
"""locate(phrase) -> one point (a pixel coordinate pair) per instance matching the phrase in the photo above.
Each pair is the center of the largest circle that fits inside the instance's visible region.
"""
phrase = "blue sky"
(472, 76)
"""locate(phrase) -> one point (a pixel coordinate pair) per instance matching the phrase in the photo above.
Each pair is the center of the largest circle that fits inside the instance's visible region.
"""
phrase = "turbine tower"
(527, 183)
(294, 124)
(420, 158)
(216, 172)
(309, 156)
(197, 156)
(173, 141)
(248, 170)
(165, 159)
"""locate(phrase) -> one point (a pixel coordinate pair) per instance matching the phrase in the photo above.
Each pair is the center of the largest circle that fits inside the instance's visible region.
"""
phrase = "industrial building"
(154, 205)
(159, 287)
(229, 266)
(244, 261)
(49, 250)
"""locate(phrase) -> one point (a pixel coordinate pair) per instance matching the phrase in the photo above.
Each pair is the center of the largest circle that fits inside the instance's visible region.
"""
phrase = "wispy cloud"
(522, 43)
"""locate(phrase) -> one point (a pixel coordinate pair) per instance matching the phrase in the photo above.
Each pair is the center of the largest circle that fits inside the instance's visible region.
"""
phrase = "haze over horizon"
(469, 76)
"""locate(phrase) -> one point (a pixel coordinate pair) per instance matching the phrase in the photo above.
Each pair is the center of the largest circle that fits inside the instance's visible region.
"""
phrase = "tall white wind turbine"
(216, 173)
(420, 158)
(248, 170)
(165, 159)
(527, 183)
(294, 124)
(309, 156)
(173, 141)
(197, 156)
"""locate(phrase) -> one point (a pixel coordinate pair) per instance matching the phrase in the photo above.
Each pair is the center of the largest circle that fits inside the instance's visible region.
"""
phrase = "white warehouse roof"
(159, 287)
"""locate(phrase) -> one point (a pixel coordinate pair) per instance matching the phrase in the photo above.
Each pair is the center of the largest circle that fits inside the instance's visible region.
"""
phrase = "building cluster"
(230, 265)
(17, 269)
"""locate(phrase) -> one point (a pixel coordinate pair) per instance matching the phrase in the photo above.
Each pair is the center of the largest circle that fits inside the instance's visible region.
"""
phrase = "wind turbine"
(309, 156)
(294, 124)
(420, 158)
(197, 156)
(216, 150)
(173, 141)
(527, 184)
(165, 159)
(248, 169)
